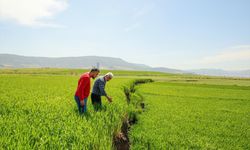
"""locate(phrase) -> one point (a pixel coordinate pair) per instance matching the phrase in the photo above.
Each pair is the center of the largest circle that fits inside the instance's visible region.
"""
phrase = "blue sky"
(187, 34)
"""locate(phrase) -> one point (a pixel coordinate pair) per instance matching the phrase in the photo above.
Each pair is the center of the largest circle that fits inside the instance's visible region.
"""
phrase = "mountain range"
(221, 72)
(109, 63)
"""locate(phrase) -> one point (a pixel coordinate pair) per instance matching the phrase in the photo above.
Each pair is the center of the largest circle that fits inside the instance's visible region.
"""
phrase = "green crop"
(193, 116)
(38, 111)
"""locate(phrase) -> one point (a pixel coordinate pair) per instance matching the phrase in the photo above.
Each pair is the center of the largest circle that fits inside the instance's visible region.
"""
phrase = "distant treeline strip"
(65, 71)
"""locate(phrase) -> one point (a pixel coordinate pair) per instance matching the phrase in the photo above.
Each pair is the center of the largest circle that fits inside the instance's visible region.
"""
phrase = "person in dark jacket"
(99, 90)
(83, 89)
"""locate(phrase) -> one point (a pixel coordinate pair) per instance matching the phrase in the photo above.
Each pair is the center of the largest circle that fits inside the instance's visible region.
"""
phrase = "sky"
(179, 34)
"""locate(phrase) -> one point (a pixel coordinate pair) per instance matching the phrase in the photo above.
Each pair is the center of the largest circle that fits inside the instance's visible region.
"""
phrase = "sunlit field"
(193, 116)
(38, 111)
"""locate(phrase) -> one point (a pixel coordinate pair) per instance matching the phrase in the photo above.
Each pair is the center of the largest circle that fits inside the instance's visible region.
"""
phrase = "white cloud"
(31, 12)
(238, 53)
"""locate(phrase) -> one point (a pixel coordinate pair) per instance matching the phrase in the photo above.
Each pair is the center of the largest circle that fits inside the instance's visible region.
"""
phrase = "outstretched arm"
(103, 92)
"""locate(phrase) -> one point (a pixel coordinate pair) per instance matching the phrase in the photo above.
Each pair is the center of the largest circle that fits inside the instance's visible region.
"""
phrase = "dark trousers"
(81, 109)
(96, 101)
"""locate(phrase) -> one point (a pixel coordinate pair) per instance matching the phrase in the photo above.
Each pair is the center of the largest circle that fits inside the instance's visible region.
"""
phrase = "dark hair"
(94, 70)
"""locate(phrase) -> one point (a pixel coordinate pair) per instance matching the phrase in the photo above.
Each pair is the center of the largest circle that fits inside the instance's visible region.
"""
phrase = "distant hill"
(220, 72)
(109, 63)
(167, 70)
(17, 61)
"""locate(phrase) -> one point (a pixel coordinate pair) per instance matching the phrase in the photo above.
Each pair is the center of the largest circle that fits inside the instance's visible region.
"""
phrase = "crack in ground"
(121, 140)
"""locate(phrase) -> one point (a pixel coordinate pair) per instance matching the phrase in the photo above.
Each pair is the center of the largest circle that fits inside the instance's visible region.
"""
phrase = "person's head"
(94, 73)
(108, 76)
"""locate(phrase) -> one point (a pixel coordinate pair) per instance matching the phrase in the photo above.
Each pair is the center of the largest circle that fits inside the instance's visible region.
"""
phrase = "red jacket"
(83, 87)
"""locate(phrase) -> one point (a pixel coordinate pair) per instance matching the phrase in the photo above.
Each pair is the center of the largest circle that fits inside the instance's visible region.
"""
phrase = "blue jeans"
(81, 109)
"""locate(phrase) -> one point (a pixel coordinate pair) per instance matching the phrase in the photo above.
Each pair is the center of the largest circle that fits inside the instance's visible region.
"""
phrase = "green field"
(40, 112)
(193, 116)
(37, 111)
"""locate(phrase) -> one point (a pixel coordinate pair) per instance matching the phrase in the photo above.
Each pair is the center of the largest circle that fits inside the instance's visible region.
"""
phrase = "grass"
(37, 111)
(193, 116)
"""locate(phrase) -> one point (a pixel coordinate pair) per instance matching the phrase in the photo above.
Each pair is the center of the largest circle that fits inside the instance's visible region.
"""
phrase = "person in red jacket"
(83, 89)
